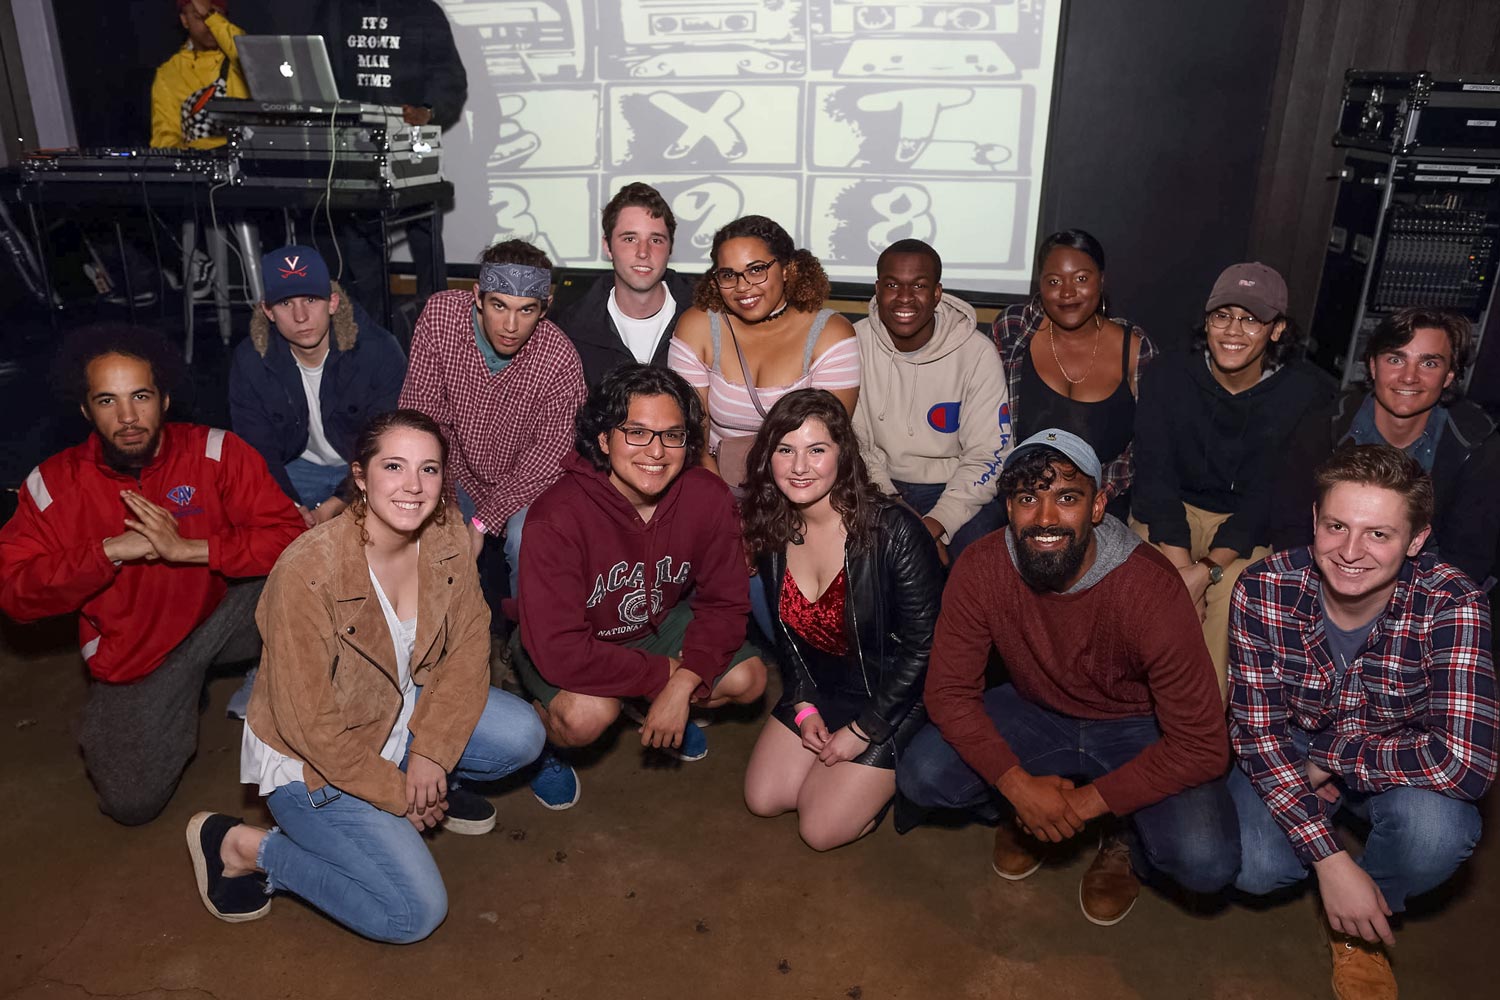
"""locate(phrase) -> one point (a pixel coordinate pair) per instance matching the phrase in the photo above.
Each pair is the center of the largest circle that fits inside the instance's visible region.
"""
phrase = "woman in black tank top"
(1073, 366)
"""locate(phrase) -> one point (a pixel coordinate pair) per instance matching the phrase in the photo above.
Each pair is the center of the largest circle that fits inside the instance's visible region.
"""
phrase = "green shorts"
(665, 641)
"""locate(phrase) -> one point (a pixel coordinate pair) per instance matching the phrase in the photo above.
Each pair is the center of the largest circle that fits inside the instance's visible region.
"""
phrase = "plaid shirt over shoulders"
(507, 431)
(1417, 707)
(1012, 332)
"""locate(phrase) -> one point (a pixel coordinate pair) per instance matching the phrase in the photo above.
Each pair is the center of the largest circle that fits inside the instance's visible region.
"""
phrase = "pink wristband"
(802, 715)
(478, 524)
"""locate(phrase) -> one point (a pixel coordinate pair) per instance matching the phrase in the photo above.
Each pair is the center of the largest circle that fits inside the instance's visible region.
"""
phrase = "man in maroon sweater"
(633, 580)
(1112, 706)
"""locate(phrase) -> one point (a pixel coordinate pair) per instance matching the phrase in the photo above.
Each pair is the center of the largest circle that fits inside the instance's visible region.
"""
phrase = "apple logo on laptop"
(286, 70)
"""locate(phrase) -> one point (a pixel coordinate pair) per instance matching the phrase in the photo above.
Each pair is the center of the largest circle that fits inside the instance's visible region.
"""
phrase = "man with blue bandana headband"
(505, 385)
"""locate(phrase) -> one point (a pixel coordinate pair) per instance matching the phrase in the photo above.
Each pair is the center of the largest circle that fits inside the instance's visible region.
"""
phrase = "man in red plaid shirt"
(1361, 678)
(505, 384)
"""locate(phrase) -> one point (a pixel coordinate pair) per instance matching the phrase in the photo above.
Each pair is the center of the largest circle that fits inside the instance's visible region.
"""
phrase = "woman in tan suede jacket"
(374, 687)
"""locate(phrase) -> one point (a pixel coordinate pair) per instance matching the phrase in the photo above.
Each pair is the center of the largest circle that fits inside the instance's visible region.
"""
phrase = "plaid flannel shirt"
(1417, 707)
(1012, 333)
(507, 431)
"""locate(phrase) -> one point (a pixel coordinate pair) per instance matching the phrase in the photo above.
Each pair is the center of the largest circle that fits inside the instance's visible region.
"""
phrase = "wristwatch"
(1215, 571)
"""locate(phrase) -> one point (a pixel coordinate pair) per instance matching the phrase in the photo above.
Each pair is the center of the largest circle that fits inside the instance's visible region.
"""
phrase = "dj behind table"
(306, 161)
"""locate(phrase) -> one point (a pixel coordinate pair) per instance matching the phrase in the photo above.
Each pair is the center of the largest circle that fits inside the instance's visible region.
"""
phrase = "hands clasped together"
(151, 534)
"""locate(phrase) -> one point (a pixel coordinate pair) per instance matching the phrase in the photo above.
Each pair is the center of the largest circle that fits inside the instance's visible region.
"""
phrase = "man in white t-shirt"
(628, 316)
(314, 369)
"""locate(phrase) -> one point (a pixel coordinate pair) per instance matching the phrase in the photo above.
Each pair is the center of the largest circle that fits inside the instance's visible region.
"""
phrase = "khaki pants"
(1202, 525)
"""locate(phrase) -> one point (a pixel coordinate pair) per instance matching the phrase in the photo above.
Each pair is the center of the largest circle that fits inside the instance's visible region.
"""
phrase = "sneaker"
(694, 744)
(1361, 971)
(237, 899)
(1109, 888)
(239, 702)
(555, 784)
(1013, 859)
(468, 812)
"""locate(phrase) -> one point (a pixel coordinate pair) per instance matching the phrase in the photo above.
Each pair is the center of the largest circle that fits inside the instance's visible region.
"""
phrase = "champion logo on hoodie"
(943, 417)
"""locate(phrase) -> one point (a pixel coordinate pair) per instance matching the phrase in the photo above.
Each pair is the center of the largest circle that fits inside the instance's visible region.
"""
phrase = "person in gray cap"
(1110, 708)
(1211, 426)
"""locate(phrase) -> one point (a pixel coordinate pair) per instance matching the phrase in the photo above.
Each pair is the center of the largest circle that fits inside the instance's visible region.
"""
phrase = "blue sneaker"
(555, 784)
(694, 744)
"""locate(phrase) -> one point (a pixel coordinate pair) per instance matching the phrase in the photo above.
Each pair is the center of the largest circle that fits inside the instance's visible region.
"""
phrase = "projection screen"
(853, 123)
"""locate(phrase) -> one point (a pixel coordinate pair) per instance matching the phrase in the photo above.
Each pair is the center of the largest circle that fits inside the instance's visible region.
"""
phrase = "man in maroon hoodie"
(1111, 707)
(633, 580)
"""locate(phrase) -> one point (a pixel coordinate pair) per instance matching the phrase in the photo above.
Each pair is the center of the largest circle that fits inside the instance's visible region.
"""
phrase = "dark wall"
(111, 50)
(1294, 206)
(1156, 145)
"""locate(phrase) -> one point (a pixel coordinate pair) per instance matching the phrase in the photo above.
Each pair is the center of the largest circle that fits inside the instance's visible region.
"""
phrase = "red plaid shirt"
(1417, 707)
(1012, 332)
(507, 431)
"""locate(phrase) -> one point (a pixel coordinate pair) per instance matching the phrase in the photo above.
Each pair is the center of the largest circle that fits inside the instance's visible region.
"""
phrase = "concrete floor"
(657, 884)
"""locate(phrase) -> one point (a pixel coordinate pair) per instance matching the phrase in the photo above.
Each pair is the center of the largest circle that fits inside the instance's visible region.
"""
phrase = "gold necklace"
(1098, 336)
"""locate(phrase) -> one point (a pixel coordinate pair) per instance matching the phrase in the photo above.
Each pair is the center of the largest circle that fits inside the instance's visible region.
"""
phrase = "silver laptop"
(289, 68)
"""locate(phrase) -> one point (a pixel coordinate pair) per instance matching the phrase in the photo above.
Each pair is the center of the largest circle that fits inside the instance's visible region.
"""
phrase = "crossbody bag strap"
(745, 370)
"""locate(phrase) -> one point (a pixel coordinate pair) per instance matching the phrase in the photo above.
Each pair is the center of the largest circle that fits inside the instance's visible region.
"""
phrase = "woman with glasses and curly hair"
(854, 581)
(373, 690)
(758, 330)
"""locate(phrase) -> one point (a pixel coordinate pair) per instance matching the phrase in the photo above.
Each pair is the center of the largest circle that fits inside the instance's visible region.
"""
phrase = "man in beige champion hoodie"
(933, 416)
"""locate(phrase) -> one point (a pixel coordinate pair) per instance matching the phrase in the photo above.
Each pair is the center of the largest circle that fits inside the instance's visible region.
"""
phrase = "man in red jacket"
(1112, 707)
(633, 580)
(140, 529)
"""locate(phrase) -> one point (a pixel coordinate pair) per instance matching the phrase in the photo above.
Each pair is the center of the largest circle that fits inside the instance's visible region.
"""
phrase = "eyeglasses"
(1220, 320)
(641, 437)
(754, 274)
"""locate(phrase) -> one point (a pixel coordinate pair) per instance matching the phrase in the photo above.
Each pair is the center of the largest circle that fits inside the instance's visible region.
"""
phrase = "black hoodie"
(592, 330)
(1197, 443)
(395, 52)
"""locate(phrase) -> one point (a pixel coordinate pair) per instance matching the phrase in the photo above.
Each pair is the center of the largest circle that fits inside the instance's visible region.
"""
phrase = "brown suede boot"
(1361, 971)
(1109, 888)
(1013, 859)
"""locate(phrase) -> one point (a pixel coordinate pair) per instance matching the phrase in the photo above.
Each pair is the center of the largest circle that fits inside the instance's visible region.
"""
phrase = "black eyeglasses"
(754, 274)
(641, 437)
(1221, 320)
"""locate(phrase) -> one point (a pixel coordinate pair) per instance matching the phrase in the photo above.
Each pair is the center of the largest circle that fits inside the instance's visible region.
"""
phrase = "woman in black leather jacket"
(853, 582)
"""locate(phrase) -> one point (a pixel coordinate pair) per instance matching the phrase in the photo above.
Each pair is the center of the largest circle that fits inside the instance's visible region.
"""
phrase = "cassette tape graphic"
(697, 39)
(972, 223)
(707, 127)
(531, 41)
(917, 38)
(704, 203)
(920, 127)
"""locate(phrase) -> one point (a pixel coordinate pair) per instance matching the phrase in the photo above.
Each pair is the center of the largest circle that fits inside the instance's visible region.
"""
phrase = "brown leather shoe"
(1013, 858)
(1361, 971)
(1109, 888)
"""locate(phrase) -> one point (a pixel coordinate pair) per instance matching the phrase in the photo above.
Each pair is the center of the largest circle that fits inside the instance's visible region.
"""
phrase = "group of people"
(631, 480)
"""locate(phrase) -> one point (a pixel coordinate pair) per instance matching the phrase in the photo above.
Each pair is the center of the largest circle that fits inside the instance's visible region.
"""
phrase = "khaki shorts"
(665, 641)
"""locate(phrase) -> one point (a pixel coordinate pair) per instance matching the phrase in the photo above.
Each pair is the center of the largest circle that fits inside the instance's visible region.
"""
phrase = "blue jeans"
(1191, 837)
(369, 869)
(314, 483)
(1418, 838)
(924, 496)
(514, 525)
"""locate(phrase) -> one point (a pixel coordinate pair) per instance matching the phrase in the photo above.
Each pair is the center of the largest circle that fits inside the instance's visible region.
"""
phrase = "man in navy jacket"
(314, 368)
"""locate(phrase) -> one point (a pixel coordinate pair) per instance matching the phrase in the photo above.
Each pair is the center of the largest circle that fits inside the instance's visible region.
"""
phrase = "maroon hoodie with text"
(595, 576)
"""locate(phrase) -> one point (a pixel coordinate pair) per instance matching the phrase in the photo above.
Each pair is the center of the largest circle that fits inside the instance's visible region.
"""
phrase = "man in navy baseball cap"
(314, 368)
